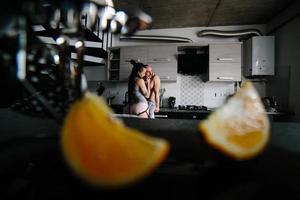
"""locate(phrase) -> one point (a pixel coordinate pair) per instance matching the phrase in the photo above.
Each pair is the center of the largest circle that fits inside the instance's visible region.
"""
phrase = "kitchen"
(193, 89)
(175, 63)
(187, 99)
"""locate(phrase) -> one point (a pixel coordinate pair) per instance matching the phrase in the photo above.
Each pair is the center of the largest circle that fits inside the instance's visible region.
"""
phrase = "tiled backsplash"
(191, 90)
(215, 93)
(188, 90)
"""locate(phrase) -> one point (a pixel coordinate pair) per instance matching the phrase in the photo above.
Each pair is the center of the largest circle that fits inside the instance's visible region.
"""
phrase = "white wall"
(285, 85)
(188, 89)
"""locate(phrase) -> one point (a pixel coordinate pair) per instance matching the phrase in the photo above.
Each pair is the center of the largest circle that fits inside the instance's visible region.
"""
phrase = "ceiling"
(196, 13)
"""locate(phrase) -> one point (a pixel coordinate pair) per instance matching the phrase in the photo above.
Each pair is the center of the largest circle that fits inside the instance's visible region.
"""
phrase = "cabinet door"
(163, 61)
(161, 54)
(166, 71)
(223, 53)
(225, 72)
(128, 53)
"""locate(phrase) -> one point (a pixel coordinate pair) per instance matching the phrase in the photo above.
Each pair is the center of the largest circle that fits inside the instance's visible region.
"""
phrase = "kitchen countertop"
(171, 110)
(283, 134)
(178, 111)
(118, 108)
(14, 125)
(189, 172)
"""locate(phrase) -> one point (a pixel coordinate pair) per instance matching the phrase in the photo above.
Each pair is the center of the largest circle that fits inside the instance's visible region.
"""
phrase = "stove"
(191, 107)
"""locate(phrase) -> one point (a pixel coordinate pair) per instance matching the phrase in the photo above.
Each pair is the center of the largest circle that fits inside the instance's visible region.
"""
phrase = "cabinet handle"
(224, 78)
(165, 77)
(137, 60)
(225, 59)
(161, 116)
(161, 59)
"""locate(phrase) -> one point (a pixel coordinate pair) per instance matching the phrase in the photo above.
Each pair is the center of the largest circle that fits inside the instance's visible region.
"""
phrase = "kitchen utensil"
(110, 100)
(100, 89)
(172, 102)
(126, 98)
(161, 96)
(270, 104)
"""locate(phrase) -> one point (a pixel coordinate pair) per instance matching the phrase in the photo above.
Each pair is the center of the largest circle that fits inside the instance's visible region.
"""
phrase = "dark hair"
(137, 66)
(133, 62)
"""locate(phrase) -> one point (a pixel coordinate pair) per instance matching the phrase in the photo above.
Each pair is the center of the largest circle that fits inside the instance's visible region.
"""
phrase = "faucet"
(161, 92)
(126, 98)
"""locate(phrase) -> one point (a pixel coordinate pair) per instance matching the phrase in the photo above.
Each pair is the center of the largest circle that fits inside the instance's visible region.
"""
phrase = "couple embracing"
(143, 90)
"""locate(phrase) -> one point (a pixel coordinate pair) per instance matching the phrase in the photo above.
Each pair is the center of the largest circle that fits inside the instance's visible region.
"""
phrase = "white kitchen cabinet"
(162, 58)
(259, 56)
(138, 54)
(163, 61)
(225, 71)
(225, 62)
(164, 71)
(225, 53)
(162, 54)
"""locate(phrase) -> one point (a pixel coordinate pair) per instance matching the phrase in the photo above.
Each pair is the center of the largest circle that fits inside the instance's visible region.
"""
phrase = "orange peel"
(240, 128)
(103, 151)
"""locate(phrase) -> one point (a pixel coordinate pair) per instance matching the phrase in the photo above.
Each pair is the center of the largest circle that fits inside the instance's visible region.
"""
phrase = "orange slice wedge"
(102, 151)
(240, 128)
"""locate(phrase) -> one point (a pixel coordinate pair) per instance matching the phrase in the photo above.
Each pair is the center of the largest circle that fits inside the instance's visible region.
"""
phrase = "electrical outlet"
(215, 94)
(220, 94)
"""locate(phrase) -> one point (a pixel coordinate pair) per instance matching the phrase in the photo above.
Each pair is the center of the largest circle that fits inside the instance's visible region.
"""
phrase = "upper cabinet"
(224, 62)
(259, 56)
(162, 54)
(225, 53)
(162, 59)
(138, 54)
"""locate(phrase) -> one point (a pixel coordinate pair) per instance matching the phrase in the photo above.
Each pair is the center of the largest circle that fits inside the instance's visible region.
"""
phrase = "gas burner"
(191, 107)
(181, 107)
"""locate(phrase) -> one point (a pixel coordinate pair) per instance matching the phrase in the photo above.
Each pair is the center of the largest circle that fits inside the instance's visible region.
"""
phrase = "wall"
(285, 85)
(188, 90)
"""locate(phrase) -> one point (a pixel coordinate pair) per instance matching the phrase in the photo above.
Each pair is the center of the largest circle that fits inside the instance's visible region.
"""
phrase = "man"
(154, 86)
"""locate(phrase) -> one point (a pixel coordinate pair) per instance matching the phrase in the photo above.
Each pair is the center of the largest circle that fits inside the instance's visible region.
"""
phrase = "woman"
(137, 91)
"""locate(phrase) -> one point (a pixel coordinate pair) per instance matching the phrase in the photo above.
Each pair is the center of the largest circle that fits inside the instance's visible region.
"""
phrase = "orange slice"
(102, 151)
(240, 128)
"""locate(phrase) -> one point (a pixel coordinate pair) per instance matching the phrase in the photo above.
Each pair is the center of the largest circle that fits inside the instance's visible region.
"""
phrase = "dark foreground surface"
(31, 166)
